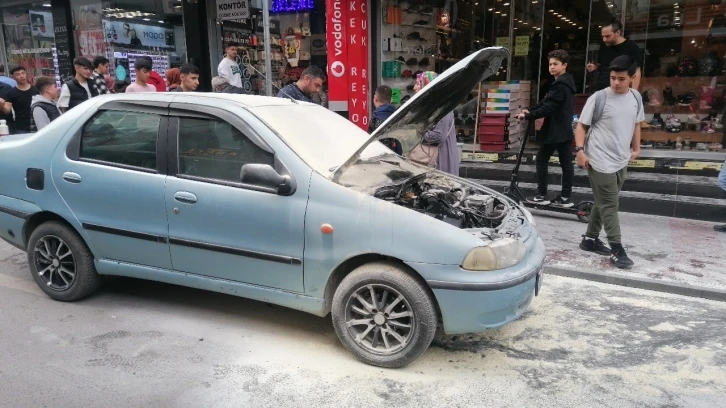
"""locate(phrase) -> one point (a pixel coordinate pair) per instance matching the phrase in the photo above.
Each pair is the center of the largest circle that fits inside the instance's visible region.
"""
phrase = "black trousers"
(564, 150)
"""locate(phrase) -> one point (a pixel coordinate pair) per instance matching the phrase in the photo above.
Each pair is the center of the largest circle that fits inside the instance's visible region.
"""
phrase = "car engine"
(446, 200)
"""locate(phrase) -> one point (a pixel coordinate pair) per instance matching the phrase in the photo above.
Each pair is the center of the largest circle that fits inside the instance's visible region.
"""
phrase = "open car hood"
(427, 107)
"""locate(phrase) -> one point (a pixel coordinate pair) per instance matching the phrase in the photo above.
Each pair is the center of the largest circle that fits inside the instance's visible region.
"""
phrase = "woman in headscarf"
(173, 78)
(442, 133)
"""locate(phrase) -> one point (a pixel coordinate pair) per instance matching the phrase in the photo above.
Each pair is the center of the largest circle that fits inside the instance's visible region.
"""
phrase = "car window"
(121, 137)
(214, 149)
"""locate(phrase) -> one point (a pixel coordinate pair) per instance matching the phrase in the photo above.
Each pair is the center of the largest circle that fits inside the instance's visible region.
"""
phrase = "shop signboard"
(90, 43)
(358, 98)
(232, 9)
(41, 25)
(336, 30)
(138, 35)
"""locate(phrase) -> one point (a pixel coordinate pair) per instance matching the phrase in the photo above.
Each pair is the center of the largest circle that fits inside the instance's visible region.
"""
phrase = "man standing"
(557, 109)
(613, 46)
(7, 117)
(228, 67)
(19, 99)
(612, 116)
(143, 67)
(44, 107)
(80, 88)
(189, 75)
(6, 80)
(310, 82)
(100, 69)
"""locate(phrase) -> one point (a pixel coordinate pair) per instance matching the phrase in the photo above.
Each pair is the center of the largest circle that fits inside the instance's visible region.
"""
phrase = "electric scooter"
(581, 210)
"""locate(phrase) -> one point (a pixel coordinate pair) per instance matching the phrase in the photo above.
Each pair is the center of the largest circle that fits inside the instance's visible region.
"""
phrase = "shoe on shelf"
(619, 258)
(563, 202)
(720, 227)
(594, 245)
(541, 200)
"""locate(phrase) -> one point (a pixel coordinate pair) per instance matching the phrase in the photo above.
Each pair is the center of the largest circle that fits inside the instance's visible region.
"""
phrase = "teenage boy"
(142, 66)
(228, 67)
(19, 99)
(383, 110)
(44, 107)
(557, 109)
(612, 141)
(79, 89)
(100, 69)
(189, 75)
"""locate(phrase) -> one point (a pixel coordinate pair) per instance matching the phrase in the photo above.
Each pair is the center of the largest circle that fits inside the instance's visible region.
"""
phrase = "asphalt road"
(139, 343)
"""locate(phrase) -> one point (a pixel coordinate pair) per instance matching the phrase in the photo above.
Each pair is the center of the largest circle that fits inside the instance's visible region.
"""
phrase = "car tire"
(385, 341)
(61, 263)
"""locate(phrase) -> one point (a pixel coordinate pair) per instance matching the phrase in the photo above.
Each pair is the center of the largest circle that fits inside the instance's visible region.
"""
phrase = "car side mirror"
(264, 175)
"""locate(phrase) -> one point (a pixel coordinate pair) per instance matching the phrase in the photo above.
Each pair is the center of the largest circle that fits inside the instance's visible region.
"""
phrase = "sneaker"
(563, 202)
(594, 245)
(619, 258)
(720, 228)
(541, 200)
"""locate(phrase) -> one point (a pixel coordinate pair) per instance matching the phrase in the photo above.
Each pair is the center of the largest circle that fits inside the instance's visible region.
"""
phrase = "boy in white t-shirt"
(613, 140)
(228, 67)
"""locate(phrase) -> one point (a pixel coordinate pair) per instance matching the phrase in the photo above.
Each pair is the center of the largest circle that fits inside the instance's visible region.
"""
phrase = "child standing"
(557, 109)
(143, 67)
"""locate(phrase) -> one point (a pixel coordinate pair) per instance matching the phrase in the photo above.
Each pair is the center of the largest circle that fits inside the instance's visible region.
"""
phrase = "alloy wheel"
(379, 319)
(54, 262)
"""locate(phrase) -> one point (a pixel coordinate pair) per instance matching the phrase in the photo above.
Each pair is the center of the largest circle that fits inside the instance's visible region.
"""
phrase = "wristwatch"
(578, 148)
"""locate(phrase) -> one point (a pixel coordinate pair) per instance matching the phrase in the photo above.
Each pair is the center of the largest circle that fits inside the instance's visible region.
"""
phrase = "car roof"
(249, 101)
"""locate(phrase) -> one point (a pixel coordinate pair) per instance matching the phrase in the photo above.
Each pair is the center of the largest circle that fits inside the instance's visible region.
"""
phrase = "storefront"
(683, 46)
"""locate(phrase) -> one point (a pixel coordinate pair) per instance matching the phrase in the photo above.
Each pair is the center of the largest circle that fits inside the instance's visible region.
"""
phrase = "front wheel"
(61, 263)
(383, 315)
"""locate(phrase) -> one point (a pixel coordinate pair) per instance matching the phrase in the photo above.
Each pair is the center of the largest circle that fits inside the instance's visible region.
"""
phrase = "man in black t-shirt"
(613, 46)
(19, 100)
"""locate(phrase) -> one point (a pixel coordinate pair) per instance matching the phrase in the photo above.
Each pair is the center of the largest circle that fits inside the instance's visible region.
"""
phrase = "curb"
(640, 283)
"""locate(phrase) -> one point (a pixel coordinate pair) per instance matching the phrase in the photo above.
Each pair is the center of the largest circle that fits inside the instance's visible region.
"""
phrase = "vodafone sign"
(348, 80)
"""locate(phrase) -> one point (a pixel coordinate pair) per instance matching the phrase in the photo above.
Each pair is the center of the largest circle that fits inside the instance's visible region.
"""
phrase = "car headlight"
(502, 253)
(529, 216)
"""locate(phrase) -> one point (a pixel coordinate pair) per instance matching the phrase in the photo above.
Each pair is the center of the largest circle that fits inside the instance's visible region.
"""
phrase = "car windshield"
(322, 138)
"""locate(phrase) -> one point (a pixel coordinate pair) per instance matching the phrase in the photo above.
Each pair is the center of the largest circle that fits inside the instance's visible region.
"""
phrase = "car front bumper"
(476, 305)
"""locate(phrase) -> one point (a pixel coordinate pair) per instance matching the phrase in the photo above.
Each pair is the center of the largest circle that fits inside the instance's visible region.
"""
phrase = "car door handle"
(72, 177)
(185, 197)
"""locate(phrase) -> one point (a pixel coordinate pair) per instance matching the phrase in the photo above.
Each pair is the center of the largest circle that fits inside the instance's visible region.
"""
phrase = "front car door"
(112, 177)
(219, 227)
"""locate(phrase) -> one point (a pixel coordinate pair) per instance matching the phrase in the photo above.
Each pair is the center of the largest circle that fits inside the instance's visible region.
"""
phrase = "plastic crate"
(493, 129)
(489, 119)
(493, 137)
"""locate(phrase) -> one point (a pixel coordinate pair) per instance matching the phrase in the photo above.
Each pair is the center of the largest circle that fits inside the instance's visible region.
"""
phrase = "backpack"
(601, 98)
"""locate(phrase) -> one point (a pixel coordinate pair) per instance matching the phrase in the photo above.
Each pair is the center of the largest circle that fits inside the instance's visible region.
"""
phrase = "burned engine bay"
(447, 200)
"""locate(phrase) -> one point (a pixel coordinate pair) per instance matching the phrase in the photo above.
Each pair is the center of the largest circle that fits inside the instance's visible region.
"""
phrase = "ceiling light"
(504, 14)
(526, 23)
(491, 9)
(551, 11)
(505, 4)
(161, 21)
(497, 12)
(557, 28)
(579, 28)
(675, 5)
(538, 28)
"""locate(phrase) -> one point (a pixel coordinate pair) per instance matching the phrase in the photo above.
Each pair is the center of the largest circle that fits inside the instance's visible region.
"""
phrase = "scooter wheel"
(584, 209)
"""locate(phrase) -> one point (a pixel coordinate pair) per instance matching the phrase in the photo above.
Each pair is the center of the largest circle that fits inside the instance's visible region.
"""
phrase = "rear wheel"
(383, 315)
(61, 263)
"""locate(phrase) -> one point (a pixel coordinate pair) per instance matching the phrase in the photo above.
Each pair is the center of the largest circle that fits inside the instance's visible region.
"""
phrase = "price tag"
(642, 163)
(486, 156)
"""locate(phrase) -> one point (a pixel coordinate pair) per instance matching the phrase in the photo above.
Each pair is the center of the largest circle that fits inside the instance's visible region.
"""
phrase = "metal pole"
(587, 48)
(268, 52)
(511, 40)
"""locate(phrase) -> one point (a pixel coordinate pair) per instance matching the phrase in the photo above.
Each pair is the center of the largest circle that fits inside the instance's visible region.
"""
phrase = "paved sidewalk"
(667, 252)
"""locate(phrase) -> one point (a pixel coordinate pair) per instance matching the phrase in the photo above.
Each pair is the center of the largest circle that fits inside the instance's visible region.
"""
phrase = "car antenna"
(272, 83)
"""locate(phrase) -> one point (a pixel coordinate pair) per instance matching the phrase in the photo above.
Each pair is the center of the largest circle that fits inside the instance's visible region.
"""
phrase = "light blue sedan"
(275, 200)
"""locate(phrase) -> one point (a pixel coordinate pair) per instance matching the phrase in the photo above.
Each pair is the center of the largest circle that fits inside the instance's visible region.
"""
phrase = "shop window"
(123, 31)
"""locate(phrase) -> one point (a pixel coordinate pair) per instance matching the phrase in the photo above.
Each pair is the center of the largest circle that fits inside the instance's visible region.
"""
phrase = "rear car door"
(219, 227)
(112, 179)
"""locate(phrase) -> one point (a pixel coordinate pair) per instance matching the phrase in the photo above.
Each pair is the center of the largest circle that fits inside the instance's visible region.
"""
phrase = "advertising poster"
(41, 25)
(138, 35)
(336, 30)
(90, 43)
(358, 97)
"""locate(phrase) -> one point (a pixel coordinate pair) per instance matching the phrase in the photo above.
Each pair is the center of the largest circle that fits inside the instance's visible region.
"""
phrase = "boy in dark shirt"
(19, 100)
